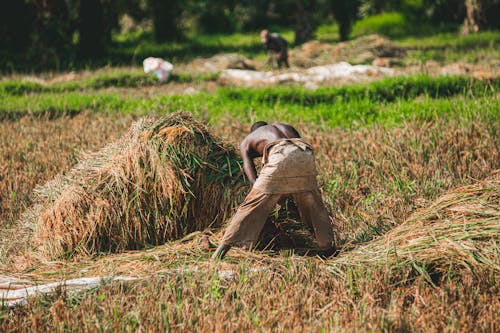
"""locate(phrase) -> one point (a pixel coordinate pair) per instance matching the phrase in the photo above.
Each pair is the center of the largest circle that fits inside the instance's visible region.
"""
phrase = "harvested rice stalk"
(166, 177)
(460, 229)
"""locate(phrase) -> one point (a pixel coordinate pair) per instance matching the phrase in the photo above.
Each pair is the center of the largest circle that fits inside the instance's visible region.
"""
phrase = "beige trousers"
(248, 222)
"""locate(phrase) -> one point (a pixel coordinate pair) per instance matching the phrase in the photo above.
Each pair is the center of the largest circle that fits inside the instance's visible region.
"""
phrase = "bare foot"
(220, 253)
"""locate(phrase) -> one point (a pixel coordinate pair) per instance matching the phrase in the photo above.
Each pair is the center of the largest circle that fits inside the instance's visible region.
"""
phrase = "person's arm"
(248, 165)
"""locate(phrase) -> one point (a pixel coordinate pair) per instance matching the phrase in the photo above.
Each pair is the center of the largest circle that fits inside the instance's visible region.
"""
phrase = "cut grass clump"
(460, 229)
(166, 177)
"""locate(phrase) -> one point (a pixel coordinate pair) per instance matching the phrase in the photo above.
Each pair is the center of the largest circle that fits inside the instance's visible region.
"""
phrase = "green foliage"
(215, 17)
(345, 12)
(49, 36)
(166, 18)
(388, 24)
(391, 24)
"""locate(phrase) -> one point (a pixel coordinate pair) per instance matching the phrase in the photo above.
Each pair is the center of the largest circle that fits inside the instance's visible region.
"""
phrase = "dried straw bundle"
(460, 229)
(163, 179)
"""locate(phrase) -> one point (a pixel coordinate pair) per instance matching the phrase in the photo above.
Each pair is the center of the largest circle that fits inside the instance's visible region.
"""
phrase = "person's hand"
(282, 201)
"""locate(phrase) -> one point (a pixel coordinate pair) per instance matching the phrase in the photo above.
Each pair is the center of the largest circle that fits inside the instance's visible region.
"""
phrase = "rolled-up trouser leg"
(248, 221)
(313, 212)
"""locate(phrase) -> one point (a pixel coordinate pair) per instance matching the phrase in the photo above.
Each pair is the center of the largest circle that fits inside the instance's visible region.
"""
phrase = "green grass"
(387, 90)
(396, 25)
(389, 102)
(452, 39)
(389, 24)
(425, 42)
(393, 25)
(130, 79)
(480, 47)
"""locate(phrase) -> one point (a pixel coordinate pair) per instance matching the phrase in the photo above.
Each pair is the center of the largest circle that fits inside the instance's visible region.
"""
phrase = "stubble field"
(386, 152)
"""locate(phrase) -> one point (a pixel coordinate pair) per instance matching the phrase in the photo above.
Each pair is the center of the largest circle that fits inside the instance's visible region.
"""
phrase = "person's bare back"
(262, 134)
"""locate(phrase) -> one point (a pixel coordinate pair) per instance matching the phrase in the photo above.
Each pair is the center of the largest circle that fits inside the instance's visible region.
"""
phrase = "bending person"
(288, 170)
(277, 48)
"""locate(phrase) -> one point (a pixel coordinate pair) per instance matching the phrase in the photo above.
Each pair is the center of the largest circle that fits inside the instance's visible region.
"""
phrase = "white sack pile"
(310, 77)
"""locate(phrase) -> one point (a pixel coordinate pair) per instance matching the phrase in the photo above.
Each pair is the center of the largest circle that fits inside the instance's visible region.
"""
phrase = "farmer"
(276, 46)
(288, 169)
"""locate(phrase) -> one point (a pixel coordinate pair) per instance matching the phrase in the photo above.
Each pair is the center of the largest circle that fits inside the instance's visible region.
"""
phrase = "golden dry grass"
(458, 231)
(372, 179)
(292, 295)
(32, 151)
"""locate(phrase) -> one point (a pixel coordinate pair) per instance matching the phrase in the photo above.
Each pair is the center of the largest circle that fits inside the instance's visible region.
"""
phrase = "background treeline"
(62, 32)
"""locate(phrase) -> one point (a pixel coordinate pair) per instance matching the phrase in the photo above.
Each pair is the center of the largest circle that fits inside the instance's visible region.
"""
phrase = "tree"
(216, 16)
(471, 19)
(91, 28)
(305, 24)
(345, 12)
(480, 15)
(16, 19)
(165, 19)
(52, 26)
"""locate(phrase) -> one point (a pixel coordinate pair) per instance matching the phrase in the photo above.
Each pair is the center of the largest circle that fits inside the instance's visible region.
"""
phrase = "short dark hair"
(257, 125)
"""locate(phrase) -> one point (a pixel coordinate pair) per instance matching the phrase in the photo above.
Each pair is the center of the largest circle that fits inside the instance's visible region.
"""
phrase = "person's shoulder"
(282, 125)
(277, 36)
(287, 128)
(247, 141)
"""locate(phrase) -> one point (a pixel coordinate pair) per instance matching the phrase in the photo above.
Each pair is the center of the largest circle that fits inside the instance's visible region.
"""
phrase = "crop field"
(409, 168)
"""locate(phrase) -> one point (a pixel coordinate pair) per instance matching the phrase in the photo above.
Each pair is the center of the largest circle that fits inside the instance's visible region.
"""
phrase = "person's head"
(263, 35)
(257, 125)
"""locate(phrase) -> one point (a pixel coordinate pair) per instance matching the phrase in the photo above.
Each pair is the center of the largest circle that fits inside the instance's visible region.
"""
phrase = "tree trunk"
(165, 18)
(345, 12)
(91, 28)
(16, 25)
(304, 23)
(472, 17)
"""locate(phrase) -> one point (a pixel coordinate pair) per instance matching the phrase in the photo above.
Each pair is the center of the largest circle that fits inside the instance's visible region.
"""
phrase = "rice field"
(408, 168)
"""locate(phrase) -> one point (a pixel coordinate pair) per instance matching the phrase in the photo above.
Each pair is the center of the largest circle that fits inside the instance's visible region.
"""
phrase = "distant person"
(277, 48)
(288, 170)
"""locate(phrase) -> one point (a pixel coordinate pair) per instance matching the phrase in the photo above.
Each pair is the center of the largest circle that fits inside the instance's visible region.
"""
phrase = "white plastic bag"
(160, 67)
